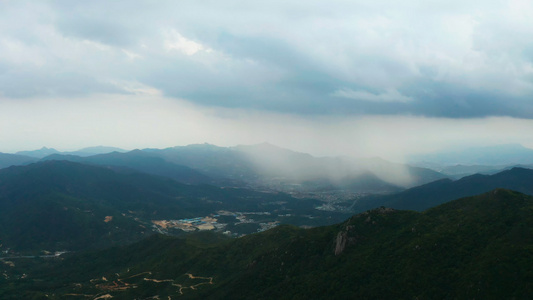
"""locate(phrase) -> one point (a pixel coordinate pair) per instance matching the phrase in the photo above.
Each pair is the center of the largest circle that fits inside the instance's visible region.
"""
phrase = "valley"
(118, 227)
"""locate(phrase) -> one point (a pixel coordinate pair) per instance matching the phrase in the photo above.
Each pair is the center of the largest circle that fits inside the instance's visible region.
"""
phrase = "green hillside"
(474, 248)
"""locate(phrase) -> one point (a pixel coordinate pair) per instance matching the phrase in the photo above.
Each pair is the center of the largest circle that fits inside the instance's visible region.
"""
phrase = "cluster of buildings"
(211, 223)
(193, 224)
(267, 226)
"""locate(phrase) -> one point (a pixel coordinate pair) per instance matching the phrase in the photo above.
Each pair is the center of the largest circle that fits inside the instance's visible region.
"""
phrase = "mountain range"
(278, 168)
(444, 190)
(262, 166)
(44, 151)
(58, 205)
(139, 161)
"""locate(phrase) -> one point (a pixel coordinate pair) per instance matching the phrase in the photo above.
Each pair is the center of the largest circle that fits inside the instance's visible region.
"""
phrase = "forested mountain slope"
(478, 247)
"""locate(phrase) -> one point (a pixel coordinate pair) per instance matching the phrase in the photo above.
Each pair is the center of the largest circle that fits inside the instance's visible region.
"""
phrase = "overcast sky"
(362, 78)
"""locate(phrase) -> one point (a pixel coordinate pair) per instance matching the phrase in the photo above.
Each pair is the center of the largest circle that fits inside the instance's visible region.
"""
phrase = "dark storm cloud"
(444, 59)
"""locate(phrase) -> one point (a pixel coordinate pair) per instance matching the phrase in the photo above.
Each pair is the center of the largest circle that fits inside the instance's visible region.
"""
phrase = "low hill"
(435, 193)
(473, 248)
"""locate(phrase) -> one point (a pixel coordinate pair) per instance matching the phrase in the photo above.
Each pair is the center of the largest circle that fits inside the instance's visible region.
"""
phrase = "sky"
(357, 78)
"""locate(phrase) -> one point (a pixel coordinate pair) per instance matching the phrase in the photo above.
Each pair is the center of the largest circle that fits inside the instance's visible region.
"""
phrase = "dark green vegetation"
(474, 248)
(60, 205)
(434, 193)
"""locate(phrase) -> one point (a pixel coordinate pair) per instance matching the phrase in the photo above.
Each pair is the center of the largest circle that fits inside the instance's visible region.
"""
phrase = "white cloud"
(137, 88)
(131, 55)
(176, 41)
(390, 95)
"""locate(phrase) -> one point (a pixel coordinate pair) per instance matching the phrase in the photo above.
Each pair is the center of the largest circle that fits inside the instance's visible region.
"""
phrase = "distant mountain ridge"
(142, 162)
(89, 151)
(262, 166)
(273, 166)
(441, 191)
(40, 153)
(44, 151)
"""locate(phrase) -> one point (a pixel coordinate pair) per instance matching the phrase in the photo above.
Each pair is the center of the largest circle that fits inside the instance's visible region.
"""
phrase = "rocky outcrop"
(340, 244)
(348, 236)
(344, 238)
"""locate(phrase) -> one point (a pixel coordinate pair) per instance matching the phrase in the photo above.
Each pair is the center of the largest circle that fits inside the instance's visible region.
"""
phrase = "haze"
(357, 78)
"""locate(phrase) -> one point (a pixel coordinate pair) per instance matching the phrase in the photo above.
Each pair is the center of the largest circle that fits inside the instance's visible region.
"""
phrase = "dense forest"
(476, 247)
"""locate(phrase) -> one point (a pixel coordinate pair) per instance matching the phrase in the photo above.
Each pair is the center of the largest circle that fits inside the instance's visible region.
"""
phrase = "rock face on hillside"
(344, 238)
(349, 235)
(340, 244)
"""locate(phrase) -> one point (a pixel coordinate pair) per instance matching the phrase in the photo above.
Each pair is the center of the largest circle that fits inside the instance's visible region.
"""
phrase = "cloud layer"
(357, 78)
(142, 121)
(436, 59)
